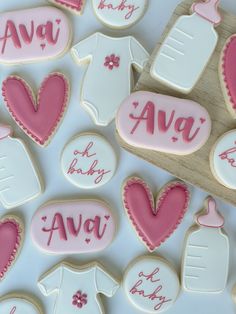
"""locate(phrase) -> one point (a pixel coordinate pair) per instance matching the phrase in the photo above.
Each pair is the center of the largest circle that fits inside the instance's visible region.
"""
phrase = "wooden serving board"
(195, 168)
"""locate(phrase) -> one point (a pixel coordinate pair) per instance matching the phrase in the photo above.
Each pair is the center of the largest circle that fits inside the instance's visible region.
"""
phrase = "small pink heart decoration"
(228, 74)
(155, 223)
(39, 118)
(11, 239)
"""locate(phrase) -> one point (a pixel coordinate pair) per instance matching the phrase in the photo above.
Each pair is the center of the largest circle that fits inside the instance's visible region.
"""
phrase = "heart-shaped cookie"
(39, 118)
(155, 223)
(11, 240)
(227, 70)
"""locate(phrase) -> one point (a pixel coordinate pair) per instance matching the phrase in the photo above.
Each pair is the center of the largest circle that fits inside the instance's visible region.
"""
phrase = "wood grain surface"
(195, 168)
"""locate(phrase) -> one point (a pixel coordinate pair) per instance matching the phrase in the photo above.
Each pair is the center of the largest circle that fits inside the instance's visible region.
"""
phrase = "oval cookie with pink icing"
(227, 71)
(153, 221)
(33, 34)
(163, 123)
(73, 227)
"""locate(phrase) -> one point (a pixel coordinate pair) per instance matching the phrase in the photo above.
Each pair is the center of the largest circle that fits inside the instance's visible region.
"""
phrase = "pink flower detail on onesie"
(112, 61)
(79, 299)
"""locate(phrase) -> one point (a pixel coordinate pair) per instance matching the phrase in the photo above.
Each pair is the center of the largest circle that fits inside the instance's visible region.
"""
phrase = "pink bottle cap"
(208, 10)
(5, 130)
(212, 218)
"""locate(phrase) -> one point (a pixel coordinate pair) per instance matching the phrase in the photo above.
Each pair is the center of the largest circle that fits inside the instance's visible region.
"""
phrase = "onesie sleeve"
(139, 55)
(51, 282)
(85, 48)
(105, 284)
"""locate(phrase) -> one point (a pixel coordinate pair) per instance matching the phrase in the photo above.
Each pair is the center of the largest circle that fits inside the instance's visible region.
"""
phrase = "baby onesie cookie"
(88, 161)
(11, 241)
(19, 179)
(151, 284)
(227, 73)
(77, 288)
(39, 117)
(155, 222)
(163, 123)
(73, 227)
(223, 160)
(176, 63)
(206, 256)
(119, 13)
(74, 6)
(33, 35)
(18, 304)
(108, 79)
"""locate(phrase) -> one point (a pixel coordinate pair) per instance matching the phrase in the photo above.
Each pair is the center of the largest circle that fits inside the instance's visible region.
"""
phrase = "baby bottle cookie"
(177, 64)
(206, 256)
(19, 180)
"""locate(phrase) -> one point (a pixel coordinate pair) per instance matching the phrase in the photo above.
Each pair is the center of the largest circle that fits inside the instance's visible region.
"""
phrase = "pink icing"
(5, 131)
(10, 242)
(33, 34)
(73, 227)
(38, 119)
(163, 123)
(229, 69)
(76, 5)
(208, 10)
(212, 218)
(154, 224)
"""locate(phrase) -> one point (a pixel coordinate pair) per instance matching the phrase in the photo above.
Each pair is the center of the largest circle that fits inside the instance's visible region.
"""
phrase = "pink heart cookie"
(155, 223)
(75, 6)
(228, 74)
(39, 118)
(11, 239)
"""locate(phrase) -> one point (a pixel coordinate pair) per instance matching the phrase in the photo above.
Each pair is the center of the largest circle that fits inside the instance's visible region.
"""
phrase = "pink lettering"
(13, 310)
(123, 6)
(227, 155)
(19, 35)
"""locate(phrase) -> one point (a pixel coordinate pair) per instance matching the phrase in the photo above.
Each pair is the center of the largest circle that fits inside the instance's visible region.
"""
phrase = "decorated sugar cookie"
(206, 256)
(19, 179)
(223, 160)
(74, 6)
(11, 241)
(176, 63)
(153, 221)
(163, 123)
(119, 13)
(33, 35)
(108, 79)
(151, 284)
(39, 117)
(18, 304)
(77, 288)
(227, 71)
(73, 227)
(88, 161)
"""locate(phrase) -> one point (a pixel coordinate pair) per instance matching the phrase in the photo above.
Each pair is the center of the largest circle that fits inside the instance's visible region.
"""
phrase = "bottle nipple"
(212, 218)
(5, 130)
(208, 10)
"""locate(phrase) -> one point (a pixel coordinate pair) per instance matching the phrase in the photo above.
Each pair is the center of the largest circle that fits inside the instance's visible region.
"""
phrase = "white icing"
(93, 166)
(160, 289)
(19, 182)
(223, 160)
(104, 89)
(17, 305)
(185, 53)
(65, 281)
(119, 13)
(206, 261)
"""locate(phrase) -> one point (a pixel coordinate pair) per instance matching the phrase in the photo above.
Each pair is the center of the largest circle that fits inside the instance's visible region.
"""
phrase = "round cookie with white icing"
(119, 13)
(17, 304)
(223, 160)
(88, 161)
(151, 284)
